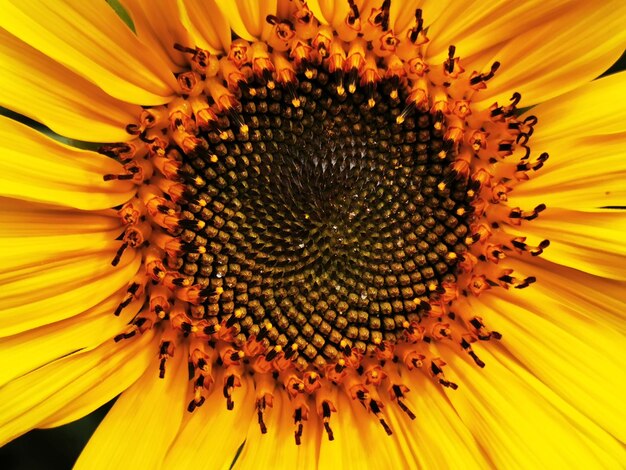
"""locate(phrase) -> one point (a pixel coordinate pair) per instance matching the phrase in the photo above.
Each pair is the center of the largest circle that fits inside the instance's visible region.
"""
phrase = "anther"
(212, 329)
(202, 61)
(437, 371)
(131, 293)
(230, 382)
(527, 215)
(271, 355)
(526, 282)
(291, 352)
(414, 32)
(122, 151)
(119, 253)
(354, 12)
(468, 348)
(449, 65)
(326, 412)
(398, 394)
(297, 419)
(477, 80)
(166, 350)
(374, 406)
(260, 407)
(125, 177)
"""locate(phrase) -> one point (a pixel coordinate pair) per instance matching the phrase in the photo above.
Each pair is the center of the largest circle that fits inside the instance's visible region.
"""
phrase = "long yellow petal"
(583, 174)
(571, 367)
(144, 421)
(518, 426)
(247, 17)
(207, 24)
(437, 438)
(27, 351)
(90, 39)
(29, 400)
(33, 297)
(30, 251)
(28, 219)
(591, 242)
(36, 86)
(34, 167)
(158, 25)
(582, 294)
(277, 449)
(598, 438)
(474, 27)
(596, 109)
(212, 431)
(126, 372)
(548, 60)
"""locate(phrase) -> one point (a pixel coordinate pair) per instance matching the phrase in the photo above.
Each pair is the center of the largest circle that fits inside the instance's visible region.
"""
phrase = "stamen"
(119, 253)
(261, 405)
(166, 351)
(297, 419)
(230, 382)
(326, 410)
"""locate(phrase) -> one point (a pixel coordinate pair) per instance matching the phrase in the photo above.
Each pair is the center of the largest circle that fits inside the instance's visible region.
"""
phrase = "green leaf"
(122, 13)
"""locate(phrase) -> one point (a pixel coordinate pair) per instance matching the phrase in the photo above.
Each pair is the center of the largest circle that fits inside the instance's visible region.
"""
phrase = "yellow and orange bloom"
(325, 232)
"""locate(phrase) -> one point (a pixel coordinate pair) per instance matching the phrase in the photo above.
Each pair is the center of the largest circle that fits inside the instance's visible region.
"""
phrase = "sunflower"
(320, 234)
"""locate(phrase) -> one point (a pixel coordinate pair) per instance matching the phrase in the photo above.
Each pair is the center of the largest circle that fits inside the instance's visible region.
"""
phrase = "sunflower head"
(313, 207)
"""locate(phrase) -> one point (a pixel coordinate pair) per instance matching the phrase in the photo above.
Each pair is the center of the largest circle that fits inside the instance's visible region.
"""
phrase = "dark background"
(58, 448)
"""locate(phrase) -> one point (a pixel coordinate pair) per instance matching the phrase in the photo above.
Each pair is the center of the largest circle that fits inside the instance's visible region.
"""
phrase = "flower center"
(327, 218)
(314, 211)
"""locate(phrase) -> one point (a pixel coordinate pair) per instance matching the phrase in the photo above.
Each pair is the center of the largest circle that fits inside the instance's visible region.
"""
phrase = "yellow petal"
(591, 242)
(207, 24)
(548, 60)
(213, 432)
(34, 167)
(158, 25)
(277, 448)
(513, 421)
(31, 399)
(402, 14)
(583, 174)
(38, 87)
(594, 110)
(32, 297)
(30, 251)
(597, 438)
(437, 438)
(90, 39)
(474, 27)
(582, 295)
(144, 421)
(247, 17)
(122, 376)
(360, 441)
(27, 219)
(334, 13)
(24, 352)
(323, 10)
(572, 367)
